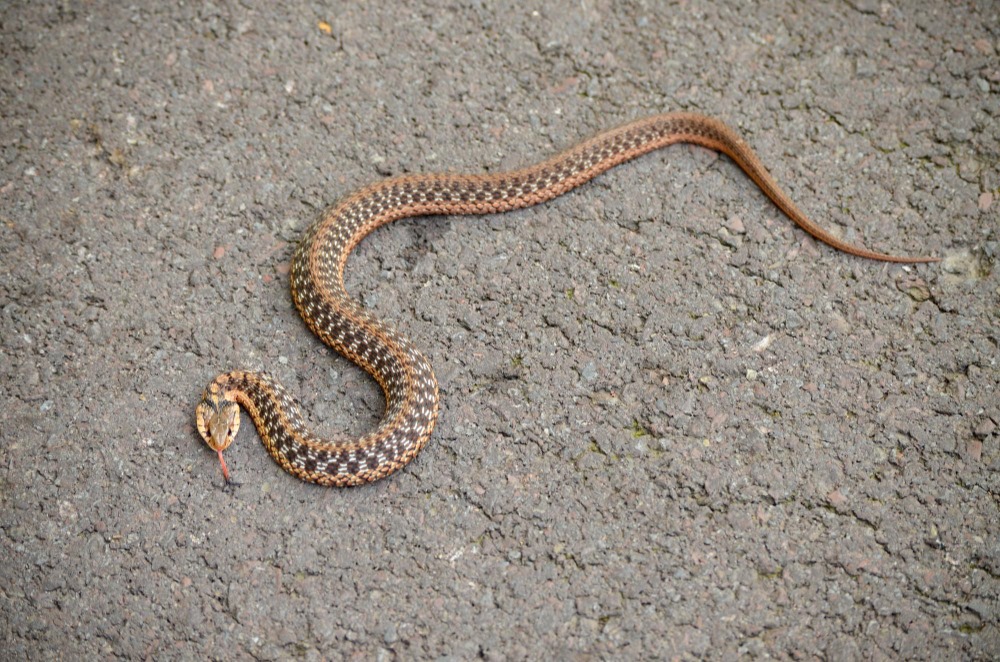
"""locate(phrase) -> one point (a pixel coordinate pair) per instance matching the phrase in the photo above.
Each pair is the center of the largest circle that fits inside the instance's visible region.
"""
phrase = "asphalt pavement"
(673, 425)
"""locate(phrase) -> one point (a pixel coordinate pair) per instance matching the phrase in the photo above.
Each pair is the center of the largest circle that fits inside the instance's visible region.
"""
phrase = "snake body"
(405, 375)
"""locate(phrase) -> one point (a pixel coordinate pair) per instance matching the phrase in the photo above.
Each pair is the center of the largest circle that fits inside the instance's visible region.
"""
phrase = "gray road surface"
(673, 425)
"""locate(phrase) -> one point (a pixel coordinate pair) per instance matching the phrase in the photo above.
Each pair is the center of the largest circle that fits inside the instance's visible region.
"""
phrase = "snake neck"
(327, 461)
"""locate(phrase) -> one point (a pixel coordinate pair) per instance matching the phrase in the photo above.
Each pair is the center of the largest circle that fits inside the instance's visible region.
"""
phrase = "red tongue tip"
(225, 469)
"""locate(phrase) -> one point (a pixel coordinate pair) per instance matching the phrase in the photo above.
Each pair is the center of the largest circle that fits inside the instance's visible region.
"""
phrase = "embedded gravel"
(672, 426)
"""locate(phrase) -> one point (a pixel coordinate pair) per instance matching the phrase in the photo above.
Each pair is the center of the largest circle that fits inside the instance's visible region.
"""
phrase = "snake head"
(218, 421)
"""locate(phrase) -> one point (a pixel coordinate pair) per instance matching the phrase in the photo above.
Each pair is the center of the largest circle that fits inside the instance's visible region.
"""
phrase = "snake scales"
(406, 377)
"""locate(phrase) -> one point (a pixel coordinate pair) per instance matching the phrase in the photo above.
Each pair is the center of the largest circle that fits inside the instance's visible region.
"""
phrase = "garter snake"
(405, 375)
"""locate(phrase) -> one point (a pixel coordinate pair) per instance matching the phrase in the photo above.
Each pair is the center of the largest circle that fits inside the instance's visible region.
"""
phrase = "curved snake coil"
(406, 377)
